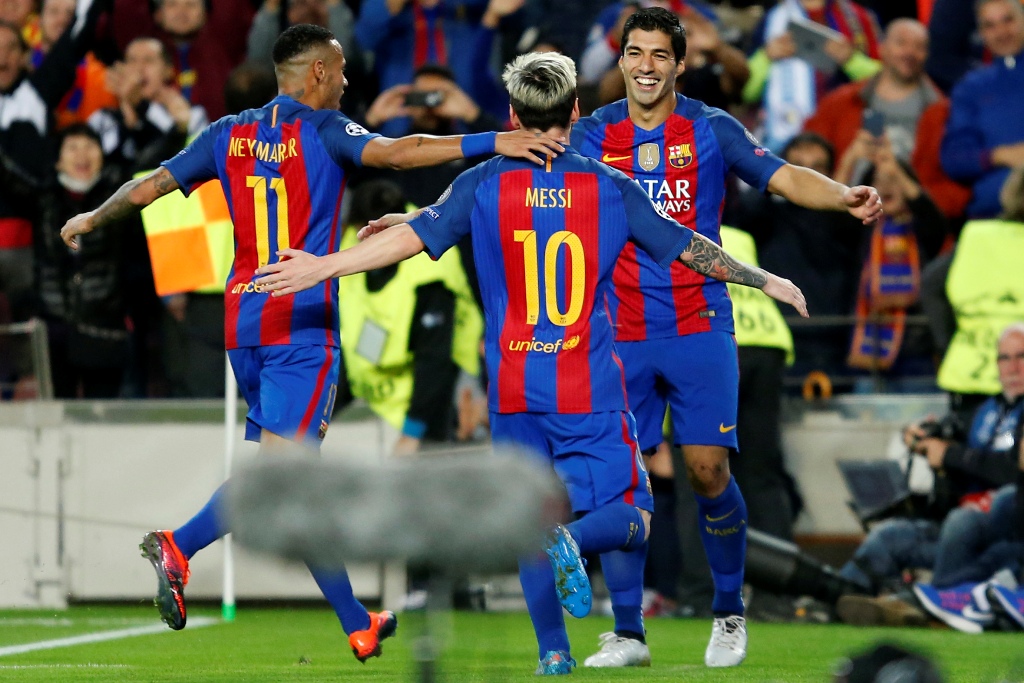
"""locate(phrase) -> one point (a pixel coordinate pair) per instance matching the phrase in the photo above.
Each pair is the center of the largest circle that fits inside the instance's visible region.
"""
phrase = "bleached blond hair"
(542, 88)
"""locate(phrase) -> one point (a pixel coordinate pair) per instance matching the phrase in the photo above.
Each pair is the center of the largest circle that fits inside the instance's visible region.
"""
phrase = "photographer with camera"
(971, 497)
(434, 105)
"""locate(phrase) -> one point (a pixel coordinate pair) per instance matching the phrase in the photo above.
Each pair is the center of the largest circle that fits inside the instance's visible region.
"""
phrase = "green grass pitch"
(307, 645)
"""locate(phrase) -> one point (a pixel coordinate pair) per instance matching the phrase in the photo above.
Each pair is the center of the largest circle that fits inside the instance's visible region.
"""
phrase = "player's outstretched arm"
(707, 258)
(388, 220)
(133, 196)
(812, 190)
(298, 270)
(414, 151)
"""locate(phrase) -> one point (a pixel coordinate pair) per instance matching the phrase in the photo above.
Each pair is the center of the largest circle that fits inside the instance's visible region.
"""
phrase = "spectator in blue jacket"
(953, 26)
(985, 133)
(405, 35)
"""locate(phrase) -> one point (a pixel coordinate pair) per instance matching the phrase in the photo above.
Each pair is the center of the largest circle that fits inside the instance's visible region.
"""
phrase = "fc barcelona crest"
(680, 156)
(649, 156)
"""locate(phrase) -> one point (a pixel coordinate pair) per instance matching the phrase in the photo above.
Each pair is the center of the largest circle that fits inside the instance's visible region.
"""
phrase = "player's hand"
(781, 289)
(388, 220)
(295, 272)
(864, 203)
(79, 225)
(525, 144)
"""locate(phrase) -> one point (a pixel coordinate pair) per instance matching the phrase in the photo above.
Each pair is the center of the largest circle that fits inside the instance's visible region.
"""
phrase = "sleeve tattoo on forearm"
(707, 258)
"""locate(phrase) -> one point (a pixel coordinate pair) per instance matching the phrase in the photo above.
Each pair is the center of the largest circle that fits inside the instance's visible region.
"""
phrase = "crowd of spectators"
(93, 91)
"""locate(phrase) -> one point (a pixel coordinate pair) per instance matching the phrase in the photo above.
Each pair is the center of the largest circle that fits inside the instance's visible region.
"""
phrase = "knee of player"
(645, 515)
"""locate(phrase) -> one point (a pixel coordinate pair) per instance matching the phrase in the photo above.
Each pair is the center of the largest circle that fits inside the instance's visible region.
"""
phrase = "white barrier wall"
(76, 497)
(80, 483)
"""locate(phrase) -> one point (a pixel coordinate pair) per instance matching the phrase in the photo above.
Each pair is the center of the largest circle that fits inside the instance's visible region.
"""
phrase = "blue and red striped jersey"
(283, 172)
(682, 166)
(545, 243)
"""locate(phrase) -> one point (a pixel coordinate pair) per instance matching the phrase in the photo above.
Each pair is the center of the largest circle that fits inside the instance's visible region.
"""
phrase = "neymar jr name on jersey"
(268, 152)
(548, 198)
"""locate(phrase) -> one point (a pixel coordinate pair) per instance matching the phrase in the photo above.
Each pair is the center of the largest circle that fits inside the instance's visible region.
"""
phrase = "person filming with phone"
(434, 104)
(889, 103)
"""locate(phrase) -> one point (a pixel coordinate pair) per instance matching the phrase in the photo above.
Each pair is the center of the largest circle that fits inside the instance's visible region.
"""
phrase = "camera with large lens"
(948, 428)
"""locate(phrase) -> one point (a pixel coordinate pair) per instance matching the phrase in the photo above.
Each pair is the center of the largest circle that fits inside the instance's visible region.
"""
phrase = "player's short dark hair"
(542, 89)
(807, 138)
(656, 19)
(299, 39)
(434, 70)
(16, 30)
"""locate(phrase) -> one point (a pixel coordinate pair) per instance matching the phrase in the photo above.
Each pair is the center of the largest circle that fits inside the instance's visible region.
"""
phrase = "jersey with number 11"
(283, 170)
(545, 242)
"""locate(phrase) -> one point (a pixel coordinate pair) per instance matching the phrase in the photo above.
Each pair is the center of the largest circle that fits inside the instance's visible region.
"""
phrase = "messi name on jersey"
(548, 198)
(267, 152)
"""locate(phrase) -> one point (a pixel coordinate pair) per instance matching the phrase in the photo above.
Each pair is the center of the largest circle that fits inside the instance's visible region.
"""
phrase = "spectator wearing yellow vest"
(985, 293)
(407, 331)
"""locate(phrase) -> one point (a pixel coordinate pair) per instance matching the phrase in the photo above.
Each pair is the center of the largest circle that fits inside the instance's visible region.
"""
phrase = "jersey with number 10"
(545, 242)
(682, 166)
(282, 168)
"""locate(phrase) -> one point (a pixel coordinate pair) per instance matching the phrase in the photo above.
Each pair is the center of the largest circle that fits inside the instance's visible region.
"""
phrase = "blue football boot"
(571, 581)
(555, 663)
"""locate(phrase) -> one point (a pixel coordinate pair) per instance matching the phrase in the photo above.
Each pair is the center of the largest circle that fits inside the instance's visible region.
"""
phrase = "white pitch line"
(64, 622)
(4, 667)
(99, 637)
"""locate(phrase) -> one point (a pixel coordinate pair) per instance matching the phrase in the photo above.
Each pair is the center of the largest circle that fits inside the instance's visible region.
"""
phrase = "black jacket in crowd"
(26, 154)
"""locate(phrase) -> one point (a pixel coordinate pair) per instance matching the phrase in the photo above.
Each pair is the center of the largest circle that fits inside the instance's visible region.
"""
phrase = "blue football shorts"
(697, 376)
(290, 389)
(594, 454)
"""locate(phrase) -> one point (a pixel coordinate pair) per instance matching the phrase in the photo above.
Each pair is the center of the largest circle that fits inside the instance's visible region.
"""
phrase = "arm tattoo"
(122, 204)
(119, 205)
(707, 258)
(164, 182)
(419, 140)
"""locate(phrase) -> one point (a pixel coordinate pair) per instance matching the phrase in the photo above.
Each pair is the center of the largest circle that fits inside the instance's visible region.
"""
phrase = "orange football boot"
(171, 573)
(366, 644)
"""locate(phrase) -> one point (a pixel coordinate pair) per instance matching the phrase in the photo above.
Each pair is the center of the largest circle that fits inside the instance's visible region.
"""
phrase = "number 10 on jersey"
(261, 214)
(574, 300)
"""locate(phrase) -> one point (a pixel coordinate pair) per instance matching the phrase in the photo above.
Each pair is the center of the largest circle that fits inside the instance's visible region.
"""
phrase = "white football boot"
(617, 651)
(728, 646)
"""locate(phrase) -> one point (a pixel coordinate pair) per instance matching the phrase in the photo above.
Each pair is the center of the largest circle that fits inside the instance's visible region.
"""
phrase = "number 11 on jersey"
(262, 215)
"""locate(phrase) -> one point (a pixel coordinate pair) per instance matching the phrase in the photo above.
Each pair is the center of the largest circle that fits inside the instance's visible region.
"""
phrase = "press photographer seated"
(969, 469)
